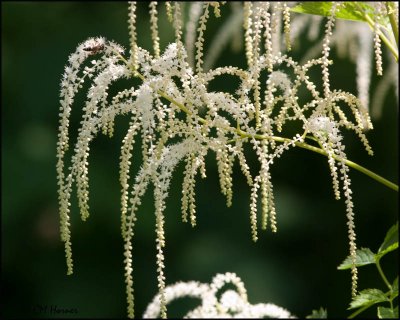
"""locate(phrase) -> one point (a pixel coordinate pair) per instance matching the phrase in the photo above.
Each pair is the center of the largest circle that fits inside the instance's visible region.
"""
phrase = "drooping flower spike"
(178, 118)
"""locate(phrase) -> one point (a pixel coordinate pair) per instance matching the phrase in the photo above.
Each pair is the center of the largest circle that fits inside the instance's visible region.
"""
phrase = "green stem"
(389, 45)
(371, 24)
(349, 163)
(360, 310)
(373, 175)
(353, 165)
(393, 22)
(378, 265)
(303, 145)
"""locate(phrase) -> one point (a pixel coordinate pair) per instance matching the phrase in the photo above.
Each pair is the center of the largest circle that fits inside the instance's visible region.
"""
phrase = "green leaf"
(316, 8)
(367, 297)
(391, 241)
(364, 256)
(350, 10)
(318, 314)
(388, 313)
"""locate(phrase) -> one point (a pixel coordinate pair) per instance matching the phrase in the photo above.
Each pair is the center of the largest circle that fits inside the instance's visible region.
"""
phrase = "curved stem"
(304, 145)
(353, 165)
(373, 175)
(393, 22)
(378, 265)
(361, 310)
(371, 24)
(244, 134)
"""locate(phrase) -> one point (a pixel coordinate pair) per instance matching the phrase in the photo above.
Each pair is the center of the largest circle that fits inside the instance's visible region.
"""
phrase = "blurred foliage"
(294, 268)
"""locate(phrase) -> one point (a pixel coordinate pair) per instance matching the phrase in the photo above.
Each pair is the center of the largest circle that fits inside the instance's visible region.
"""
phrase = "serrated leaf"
(387, 313)
(391, 241)
(368, 296)
(364, 256)
(350, 10)
(318, 314)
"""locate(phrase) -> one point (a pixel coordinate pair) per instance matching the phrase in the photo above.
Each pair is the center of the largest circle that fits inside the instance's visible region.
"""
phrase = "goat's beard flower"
(173, 103)
(324, 128)
(232, 303)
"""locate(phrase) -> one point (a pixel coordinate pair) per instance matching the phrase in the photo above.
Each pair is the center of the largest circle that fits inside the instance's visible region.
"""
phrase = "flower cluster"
(231, 304)
(178, 119)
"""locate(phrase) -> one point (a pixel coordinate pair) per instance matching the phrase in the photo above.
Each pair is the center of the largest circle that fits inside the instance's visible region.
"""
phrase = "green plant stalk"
(393, 22)
(389, 45)
(244, 134)
(371, 24)
(353, 165)
(378, 266)
(360, 310)
(391, 304)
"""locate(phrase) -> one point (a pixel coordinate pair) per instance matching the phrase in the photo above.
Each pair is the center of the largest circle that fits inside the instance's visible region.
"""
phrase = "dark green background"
(294, 268)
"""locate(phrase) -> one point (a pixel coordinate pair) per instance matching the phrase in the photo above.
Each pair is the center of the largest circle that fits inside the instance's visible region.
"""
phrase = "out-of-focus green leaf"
(318, 314)
(364, 256)
(387, 313)
(391, 241)
(350, 10)
(368, 296)
(316, 8)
